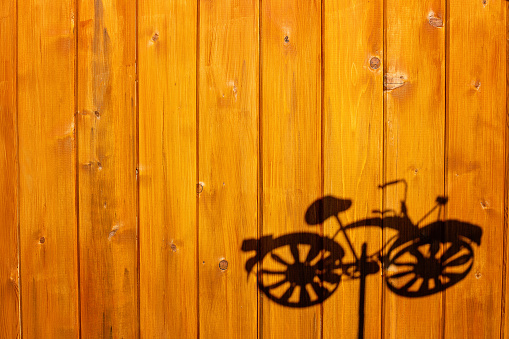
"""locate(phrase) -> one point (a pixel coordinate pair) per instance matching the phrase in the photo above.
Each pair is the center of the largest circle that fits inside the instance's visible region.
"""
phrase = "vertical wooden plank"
(106, 132)
(47, 161)
(505, 285)
(476, 83)
(9, 282)
(291, 150)
(228, 165)
(414, 152)
(353, 153)
(167, 168)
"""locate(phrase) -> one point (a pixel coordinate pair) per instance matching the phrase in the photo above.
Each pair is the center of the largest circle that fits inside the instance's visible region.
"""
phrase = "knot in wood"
(374, 63)
(199, 188)
(223, 265)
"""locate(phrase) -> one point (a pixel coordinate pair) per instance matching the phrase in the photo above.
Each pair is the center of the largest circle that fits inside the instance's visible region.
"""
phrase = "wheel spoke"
(313, 252)
(282, 282)
(397, 255)
(401, 274)
(319, 290)
(450, 252)
(438, 283)
(288, 293)
(412, 250)
(295, 252)
(409, 284)
(458, 261)
(272, 272)
(434, 247)
(404, 264)
(424, 286)
(278, 259)
(304, 296)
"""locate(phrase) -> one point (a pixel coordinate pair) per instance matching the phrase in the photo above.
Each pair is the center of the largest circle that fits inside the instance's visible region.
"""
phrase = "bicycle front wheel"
(424, 266)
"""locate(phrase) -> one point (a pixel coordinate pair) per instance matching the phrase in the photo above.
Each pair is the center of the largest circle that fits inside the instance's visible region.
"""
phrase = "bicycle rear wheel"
(300, 270)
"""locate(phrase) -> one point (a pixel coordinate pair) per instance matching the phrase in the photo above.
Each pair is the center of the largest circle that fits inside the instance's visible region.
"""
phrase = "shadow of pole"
(362, 293)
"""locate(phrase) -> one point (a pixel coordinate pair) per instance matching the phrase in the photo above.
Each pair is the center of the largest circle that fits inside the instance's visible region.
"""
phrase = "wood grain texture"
(47, 161)
(291, 143)
(144, 142)
(167, 169)
(505, 282)
(353, 152)
(106, 130)
(228, 166)
(476, 159)
(414, 147)
(9, 274)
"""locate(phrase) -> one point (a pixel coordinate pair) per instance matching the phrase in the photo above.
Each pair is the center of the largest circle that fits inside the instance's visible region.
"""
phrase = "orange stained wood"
(106, 129)
(505, 286)
(47, 169)
(9, 274)
(476, 160)
(353, 152)
(167, 169)
(414, 150)
(150, 148)
(291, 139)
(228, 166)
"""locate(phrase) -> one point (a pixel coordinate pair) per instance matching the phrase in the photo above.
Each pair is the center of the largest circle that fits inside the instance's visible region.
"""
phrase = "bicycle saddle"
(324, 208)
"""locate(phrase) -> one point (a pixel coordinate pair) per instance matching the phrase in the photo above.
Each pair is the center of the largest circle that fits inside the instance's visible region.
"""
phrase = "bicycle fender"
(249, 245)
(452, 229)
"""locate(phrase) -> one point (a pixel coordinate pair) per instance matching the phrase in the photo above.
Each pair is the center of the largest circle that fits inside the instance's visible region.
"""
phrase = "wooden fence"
(253, 169)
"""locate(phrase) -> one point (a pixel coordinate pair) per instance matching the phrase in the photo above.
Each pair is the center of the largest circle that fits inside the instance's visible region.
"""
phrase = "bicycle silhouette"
(304, 269)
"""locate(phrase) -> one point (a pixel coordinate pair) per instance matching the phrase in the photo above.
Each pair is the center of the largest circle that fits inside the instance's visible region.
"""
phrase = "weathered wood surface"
(106, 132)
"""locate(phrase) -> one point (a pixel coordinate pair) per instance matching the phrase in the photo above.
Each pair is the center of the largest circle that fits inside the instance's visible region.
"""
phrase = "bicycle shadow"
(303, 269)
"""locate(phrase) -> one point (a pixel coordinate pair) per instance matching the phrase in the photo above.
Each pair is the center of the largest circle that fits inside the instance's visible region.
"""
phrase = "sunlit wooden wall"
(141, 142)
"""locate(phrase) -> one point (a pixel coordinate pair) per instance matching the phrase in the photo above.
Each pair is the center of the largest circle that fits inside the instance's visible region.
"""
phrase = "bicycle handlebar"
(394, 183)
